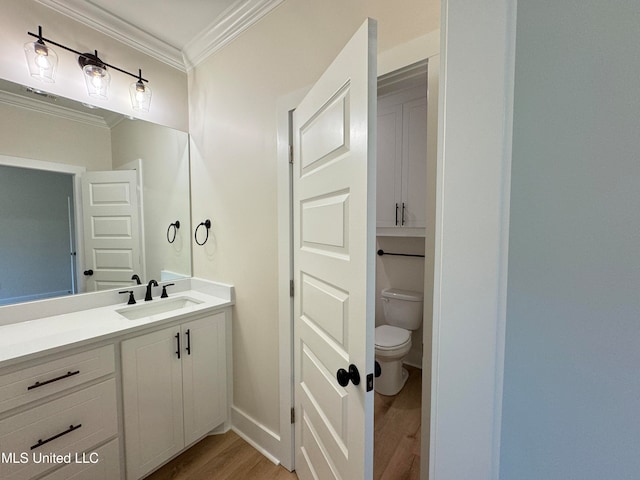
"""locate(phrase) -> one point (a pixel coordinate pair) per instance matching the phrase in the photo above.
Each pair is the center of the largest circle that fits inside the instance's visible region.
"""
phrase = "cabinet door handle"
(396, 214)
(402, 213)
(188, 333)
(46, 382)
(178, 344)
(68, 430)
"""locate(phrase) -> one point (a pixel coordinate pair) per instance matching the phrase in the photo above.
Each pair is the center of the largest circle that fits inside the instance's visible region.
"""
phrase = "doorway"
(401, 208)
(36, 226)
(37, 235)
(392, 61)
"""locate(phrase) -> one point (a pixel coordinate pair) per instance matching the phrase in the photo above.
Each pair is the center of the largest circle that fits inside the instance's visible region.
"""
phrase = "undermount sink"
(157, 306)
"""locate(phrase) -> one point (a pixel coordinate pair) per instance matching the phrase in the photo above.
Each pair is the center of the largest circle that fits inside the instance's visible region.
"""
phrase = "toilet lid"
(388, 336)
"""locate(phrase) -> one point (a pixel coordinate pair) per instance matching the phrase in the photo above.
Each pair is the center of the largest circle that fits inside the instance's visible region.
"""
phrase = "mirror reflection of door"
(37, 240)
(111, 228)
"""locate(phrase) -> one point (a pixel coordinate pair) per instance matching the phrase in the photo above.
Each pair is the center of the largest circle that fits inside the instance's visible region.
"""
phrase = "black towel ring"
(207, 225)
(175, 226)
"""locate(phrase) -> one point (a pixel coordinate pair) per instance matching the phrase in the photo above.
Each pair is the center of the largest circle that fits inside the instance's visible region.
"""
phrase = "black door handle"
(343, 376)
(377, 369)
(88, 273)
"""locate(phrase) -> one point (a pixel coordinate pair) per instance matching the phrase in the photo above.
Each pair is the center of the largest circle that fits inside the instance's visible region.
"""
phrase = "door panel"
(151, 377)
(334, 266)
(111, 228)
(203, 367)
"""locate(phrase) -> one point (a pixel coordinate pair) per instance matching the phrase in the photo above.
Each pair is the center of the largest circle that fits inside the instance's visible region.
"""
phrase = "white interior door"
(111, 229)
(334, 265)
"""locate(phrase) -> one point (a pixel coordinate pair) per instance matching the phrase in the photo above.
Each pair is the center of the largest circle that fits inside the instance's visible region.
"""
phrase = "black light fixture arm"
(42, 39)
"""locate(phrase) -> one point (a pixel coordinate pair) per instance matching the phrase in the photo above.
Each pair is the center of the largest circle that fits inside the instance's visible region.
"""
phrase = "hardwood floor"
(229, 457)
(397, 431)
(221, 457)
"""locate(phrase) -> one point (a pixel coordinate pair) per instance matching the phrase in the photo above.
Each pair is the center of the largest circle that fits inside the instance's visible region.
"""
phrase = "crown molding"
(409, 76)
(235, 20)
(95, 17)
(230, 24)
(59, 111)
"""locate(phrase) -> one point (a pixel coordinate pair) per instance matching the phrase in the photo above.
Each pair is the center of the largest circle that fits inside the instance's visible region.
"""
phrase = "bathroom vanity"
(113, 390)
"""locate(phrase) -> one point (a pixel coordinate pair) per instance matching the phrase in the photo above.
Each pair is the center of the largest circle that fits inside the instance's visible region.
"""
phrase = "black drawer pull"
(188, 341)
(177, 337)
(42, 442)
(40, 384)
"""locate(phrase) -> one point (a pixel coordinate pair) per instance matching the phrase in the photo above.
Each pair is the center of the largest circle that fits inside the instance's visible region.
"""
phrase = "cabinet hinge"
(291, 288)
(293, 415)
(291, 154)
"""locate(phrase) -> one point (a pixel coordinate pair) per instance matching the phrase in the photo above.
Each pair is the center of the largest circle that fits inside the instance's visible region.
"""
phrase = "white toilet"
(402, 314)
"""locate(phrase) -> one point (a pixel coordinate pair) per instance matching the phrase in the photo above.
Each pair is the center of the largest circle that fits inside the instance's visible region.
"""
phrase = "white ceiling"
(180, 33)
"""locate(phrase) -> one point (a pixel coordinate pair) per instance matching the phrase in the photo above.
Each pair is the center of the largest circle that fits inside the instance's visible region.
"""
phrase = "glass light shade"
(42, 61)
(97, 79)
(140, 96)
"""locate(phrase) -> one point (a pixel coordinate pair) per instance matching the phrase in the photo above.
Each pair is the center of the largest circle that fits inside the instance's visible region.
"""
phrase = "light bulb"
(96, 81)
(42, 61)
(140, 96)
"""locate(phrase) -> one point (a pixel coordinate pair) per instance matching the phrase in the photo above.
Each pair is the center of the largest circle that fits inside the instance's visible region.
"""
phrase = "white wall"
(165, 174)
(28, 134)
(233, 97)
(571, 389)
(169, 105)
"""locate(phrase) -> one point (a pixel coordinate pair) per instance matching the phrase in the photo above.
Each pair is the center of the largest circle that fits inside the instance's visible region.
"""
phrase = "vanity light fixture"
(96, 75)
(140, 94)
(42, 61)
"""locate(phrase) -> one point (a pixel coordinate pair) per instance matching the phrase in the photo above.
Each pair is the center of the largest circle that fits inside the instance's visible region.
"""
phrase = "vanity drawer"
(106, 468)
(54, 375)
(69, 424)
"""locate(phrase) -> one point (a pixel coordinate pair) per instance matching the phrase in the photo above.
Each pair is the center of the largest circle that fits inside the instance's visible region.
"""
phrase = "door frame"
(76, 172)
(397, 58)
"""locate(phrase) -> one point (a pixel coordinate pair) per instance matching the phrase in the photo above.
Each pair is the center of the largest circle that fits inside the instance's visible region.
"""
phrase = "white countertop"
(28, 339)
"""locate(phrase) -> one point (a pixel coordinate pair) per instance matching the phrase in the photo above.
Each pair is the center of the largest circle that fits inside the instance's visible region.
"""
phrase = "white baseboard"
(257, 435)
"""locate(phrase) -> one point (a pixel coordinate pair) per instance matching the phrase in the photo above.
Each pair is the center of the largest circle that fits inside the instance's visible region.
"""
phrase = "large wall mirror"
(88, 198)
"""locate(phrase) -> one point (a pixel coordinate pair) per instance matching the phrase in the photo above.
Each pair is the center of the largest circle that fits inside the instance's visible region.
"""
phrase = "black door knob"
(377, 369)
(88, 273)
(343, 376)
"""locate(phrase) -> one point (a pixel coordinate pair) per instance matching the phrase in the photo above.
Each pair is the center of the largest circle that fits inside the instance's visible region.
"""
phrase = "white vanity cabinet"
(56, 413)
(402, 162)
(174, 385)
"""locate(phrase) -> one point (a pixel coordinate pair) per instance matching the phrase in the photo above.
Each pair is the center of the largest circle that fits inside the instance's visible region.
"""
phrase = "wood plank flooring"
(221, 457)
(229, 457)
(397, 431)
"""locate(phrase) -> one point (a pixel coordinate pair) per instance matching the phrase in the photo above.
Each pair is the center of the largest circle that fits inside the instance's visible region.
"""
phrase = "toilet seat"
(389, 337)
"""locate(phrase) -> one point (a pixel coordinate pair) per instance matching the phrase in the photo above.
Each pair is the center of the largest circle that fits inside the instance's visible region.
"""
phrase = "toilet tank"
(402, 308)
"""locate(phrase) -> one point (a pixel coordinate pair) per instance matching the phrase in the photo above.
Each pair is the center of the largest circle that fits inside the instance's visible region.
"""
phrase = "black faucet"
(152, 283)
(137, 279)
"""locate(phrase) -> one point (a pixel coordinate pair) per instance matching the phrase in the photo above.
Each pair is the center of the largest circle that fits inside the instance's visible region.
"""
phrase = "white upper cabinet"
(402, 162)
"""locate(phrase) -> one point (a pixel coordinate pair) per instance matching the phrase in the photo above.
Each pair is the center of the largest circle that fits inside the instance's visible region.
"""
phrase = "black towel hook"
(207, 225)
(176, 226)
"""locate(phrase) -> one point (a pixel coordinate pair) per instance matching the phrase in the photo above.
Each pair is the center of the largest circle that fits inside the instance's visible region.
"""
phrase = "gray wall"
(572, 383)
(34, 234)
